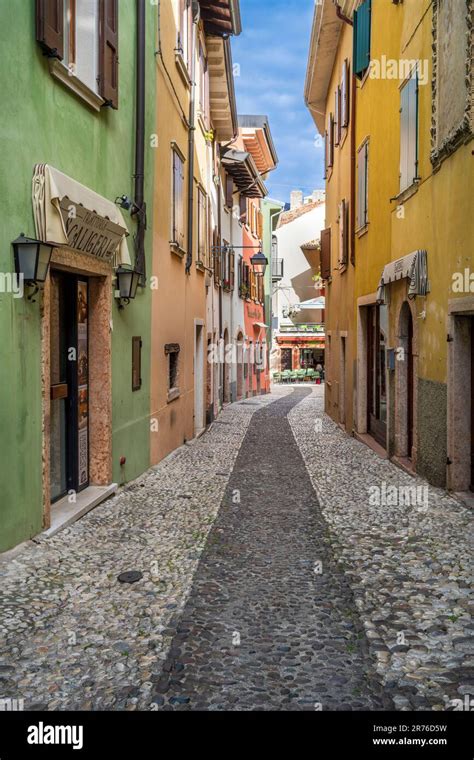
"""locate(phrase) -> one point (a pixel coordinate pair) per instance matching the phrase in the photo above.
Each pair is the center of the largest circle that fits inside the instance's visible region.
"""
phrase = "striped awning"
(72, 215)
(414, 268)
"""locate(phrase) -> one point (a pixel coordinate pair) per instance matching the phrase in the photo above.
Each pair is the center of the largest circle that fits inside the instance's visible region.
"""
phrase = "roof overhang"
(221, 88)
(322, 54)
(258, 140)
(221, 17)
(241, 167)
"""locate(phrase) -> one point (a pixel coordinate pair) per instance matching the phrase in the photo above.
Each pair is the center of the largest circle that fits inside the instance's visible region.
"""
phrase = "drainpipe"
(139, 208)
(353, 90)
(191, 141)
(221, 331)
(341, 15)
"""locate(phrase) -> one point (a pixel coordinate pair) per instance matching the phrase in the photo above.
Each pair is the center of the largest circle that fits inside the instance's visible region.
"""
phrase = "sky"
(271, 54)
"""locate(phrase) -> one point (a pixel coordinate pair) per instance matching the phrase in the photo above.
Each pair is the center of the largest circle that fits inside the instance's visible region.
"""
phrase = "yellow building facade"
(412, 303)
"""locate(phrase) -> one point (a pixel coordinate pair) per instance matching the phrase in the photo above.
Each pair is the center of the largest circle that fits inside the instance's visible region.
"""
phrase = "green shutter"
(362, 38)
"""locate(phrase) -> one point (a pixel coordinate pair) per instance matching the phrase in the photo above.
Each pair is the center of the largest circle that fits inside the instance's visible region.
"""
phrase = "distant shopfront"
(300, 352)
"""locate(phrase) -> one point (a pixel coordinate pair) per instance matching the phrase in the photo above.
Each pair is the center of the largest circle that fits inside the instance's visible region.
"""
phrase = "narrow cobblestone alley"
(270, 581)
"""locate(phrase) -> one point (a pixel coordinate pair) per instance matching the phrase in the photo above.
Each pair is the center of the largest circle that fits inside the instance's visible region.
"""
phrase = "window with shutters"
(337, 116)
(177, 204)
(329, 151)
(204, 109)
(216, 258)
(326, 254)
(229, 192)
(345, 94)
(203, 233)
(343, 256)
(243, 209)
(409, 133)
(172, 351)
(83, 35)
(363, 186)
(184, 32)
(259, 224)
(232, 268)
(361, 38)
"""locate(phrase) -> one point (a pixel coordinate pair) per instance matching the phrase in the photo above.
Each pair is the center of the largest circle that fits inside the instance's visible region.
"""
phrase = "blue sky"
(272, 53)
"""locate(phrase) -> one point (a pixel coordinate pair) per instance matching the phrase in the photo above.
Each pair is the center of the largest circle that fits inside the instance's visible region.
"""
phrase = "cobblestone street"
(271, 580)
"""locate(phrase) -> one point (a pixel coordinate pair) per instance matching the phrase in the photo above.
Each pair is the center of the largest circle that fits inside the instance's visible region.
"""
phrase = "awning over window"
(67, 213)
(241, 167)
(413, 267)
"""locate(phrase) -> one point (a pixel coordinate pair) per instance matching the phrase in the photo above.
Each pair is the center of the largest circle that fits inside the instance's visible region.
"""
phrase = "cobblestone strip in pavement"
(410, 567)
(72, 636)
(271, 621)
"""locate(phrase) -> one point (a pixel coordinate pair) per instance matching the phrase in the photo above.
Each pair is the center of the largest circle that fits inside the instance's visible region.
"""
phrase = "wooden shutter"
(409, 133)
(243, 209)
(331, 141)
(345, 97)
(232, 269)
(362, 169)
(337, 116)
(229, 191)
(361, 38)
(326, 154)
(326, 253)
(260, 225)
(50, 27)
(136, 363)
(343, 232)
(108, 52)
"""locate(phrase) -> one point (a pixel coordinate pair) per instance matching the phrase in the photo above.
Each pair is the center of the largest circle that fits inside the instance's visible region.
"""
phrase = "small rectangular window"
(136, 363)
(172, 351)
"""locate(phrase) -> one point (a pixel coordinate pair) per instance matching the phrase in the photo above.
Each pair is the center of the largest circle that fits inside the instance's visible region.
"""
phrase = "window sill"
(362, 230)
(62, 74)
(176, 249)
(173, 394)
(200, 266)
(182, 69)
(409, 191)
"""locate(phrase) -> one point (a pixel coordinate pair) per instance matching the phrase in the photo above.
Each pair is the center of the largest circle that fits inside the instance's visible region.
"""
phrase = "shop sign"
(88, 232)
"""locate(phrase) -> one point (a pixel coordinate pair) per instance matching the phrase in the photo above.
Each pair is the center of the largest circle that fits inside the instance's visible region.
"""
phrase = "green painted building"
(74, 369)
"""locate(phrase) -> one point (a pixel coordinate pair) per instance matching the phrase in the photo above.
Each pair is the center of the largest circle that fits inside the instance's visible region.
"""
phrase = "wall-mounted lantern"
(127, 284)
(32, 258)
(259, 264)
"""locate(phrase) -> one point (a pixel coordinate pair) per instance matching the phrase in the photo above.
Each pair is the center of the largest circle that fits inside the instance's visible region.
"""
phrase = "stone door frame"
(100, 276)
(460, 325)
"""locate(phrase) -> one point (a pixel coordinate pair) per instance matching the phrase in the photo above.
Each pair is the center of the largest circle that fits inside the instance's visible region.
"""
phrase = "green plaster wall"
(42, 121)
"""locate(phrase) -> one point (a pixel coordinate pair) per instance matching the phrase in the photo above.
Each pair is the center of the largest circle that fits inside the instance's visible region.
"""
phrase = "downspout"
(139, 208)
(341, 15)
(191, 141)
(353, 90)
(221, 332)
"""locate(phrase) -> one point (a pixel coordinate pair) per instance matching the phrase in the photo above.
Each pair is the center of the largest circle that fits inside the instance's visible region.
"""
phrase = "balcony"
(277, 269)
(303, 329)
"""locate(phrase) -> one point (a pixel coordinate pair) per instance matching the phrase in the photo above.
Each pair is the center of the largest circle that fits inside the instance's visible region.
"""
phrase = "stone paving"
(271, 621)
(273, 578)
(409, 562)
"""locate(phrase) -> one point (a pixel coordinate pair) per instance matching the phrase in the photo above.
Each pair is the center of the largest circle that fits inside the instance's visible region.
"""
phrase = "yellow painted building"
(412, 302)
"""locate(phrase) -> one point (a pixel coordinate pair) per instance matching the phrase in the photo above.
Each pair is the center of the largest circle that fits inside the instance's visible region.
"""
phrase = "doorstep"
(405, 464)
(64, 514)
(371, 443)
